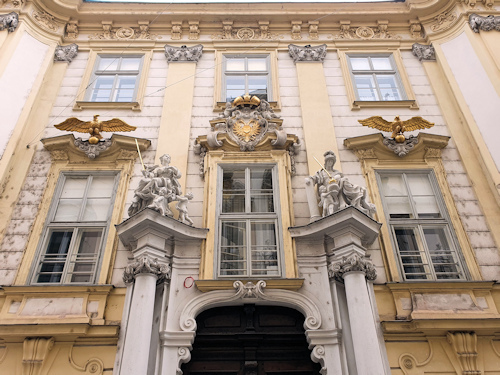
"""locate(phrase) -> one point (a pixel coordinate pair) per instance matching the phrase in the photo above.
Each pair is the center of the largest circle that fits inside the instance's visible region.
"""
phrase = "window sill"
(285, 284)
(79, 105)
(221, 106)
(412, 104)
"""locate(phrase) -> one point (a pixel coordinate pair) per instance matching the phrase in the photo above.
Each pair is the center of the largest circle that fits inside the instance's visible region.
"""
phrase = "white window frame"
(78, 227)
(248, 218)
(246, 73)
(116, 73)
(419, 224)
(373, 73)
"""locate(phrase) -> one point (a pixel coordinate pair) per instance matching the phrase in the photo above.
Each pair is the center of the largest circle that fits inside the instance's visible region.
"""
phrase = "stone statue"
(335, 192)
(158, 188)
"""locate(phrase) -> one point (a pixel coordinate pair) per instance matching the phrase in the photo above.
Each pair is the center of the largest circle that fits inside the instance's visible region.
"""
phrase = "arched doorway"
(250, 340)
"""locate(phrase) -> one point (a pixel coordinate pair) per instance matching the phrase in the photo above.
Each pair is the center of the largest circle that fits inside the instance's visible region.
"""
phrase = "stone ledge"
(285, 284)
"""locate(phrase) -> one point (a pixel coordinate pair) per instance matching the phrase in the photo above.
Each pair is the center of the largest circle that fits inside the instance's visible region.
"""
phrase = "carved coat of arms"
(246, 121)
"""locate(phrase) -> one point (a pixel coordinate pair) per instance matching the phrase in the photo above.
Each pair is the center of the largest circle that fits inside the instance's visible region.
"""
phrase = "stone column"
(178, 105)
(314, 102)
(354, 270)
(145, 272)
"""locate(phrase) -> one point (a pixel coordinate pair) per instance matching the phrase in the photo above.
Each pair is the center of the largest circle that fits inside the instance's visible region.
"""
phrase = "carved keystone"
(423, 52)
(66, 53)
(307, 53)
(183, 53)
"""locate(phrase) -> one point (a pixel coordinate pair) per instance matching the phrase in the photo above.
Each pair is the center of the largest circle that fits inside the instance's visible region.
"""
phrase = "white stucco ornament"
(335, 192)
(158, 188)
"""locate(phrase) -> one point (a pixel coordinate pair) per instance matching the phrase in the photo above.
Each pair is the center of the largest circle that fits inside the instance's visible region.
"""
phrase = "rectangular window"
(115, 79)
(76, 228)
(248, 222)
(375, 78)
(420, 226)
(249, 74)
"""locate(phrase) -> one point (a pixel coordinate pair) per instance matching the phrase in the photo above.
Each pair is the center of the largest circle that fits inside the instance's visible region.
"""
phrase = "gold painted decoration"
(397, 127)
(246, 131)
(94, 127)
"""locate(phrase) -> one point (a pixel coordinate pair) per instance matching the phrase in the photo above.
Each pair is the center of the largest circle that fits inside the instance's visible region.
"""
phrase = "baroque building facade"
(235, 216)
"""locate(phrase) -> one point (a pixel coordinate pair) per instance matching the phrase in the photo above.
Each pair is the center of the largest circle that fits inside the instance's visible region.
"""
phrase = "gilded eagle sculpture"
(95, 127)
(397, 127)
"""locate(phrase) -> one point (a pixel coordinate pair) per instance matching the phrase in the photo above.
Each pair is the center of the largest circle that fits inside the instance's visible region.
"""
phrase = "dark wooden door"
(250, 340)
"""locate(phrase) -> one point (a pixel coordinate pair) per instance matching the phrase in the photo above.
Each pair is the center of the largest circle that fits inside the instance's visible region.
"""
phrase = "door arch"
(250, 340)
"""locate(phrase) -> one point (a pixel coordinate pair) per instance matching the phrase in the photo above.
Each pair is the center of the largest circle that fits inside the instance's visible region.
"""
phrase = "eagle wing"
(116, 125)
(416, 123)
(74, 125)
(377, 122)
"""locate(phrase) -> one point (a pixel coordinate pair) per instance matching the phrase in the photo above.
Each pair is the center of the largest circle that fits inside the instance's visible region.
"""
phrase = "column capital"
(144, 265)
(307, 53)
(488, 23)
(424, 52)
(9, 21)
(66, 53)
(183, 53)
(352, 263)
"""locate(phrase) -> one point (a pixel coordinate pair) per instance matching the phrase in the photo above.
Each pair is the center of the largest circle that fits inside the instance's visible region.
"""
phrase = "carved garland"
(477, 22)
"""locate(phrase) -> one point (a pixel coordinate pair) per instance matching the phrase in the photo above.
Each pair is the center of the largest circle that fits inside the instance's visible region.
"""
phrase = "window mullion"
(113, 88)
(72, 245)
(426, 251)
(410, 197)
(249, 248)
(84, 198)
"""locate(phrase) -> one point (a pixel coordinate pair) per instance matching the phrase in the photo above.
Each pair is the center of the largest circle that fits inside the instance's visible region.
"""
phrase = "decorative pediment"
(247, 124)
(67, 148)
(376, 146)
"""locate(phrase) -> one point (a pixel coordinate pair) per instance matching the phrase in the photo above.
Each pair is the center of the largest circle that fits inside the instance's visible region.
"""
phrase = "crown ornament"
(247, 101)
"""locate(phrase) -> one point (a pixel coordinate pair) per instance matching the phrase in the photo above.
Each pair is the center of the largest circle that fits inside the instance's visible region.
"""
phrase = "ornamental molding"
(488, 23)
(194, 30)
(352, 263)
(443, 21)
(124, 33)
(313, 30)
(365, 32)
(416, 30)
(9, 21)
(66, 53)
(246, 33)
(401, 149)
(176, 32)
(424, 52)
(246, 124)
(488, 4)
(183, 53)
(147, 265)
(72, 30)
(35, 352)
(93, 150)
(465, 349)
(296, 30)
(46, 20)
(250, 293)
(307, 53)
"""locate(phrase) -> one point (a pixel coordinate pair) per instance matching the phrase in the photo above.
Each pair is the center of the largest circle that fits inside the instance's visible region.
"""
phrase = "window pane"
(264, 249)
(101, 187)
(233, 248)
(388, 87)
(423, 196)
(235, 64)
(125, 89)
(233, 191)
(396, 197)
(130, 63)
(411, 257)
(52, 262)
(108, 63)
(443, 258)
(257, 85)
(83, 266)
(257, 64)
(381, 63)
(96, 209)
(235, 86)
(74, 187)
(68, 210)
(366, 87)
(102, 89)
(360, 63)
(261, 193)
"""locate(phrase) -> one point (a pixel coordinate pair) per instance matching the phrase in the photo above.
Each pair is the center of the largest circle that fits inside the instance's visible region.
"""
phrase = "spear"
(140, 156)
